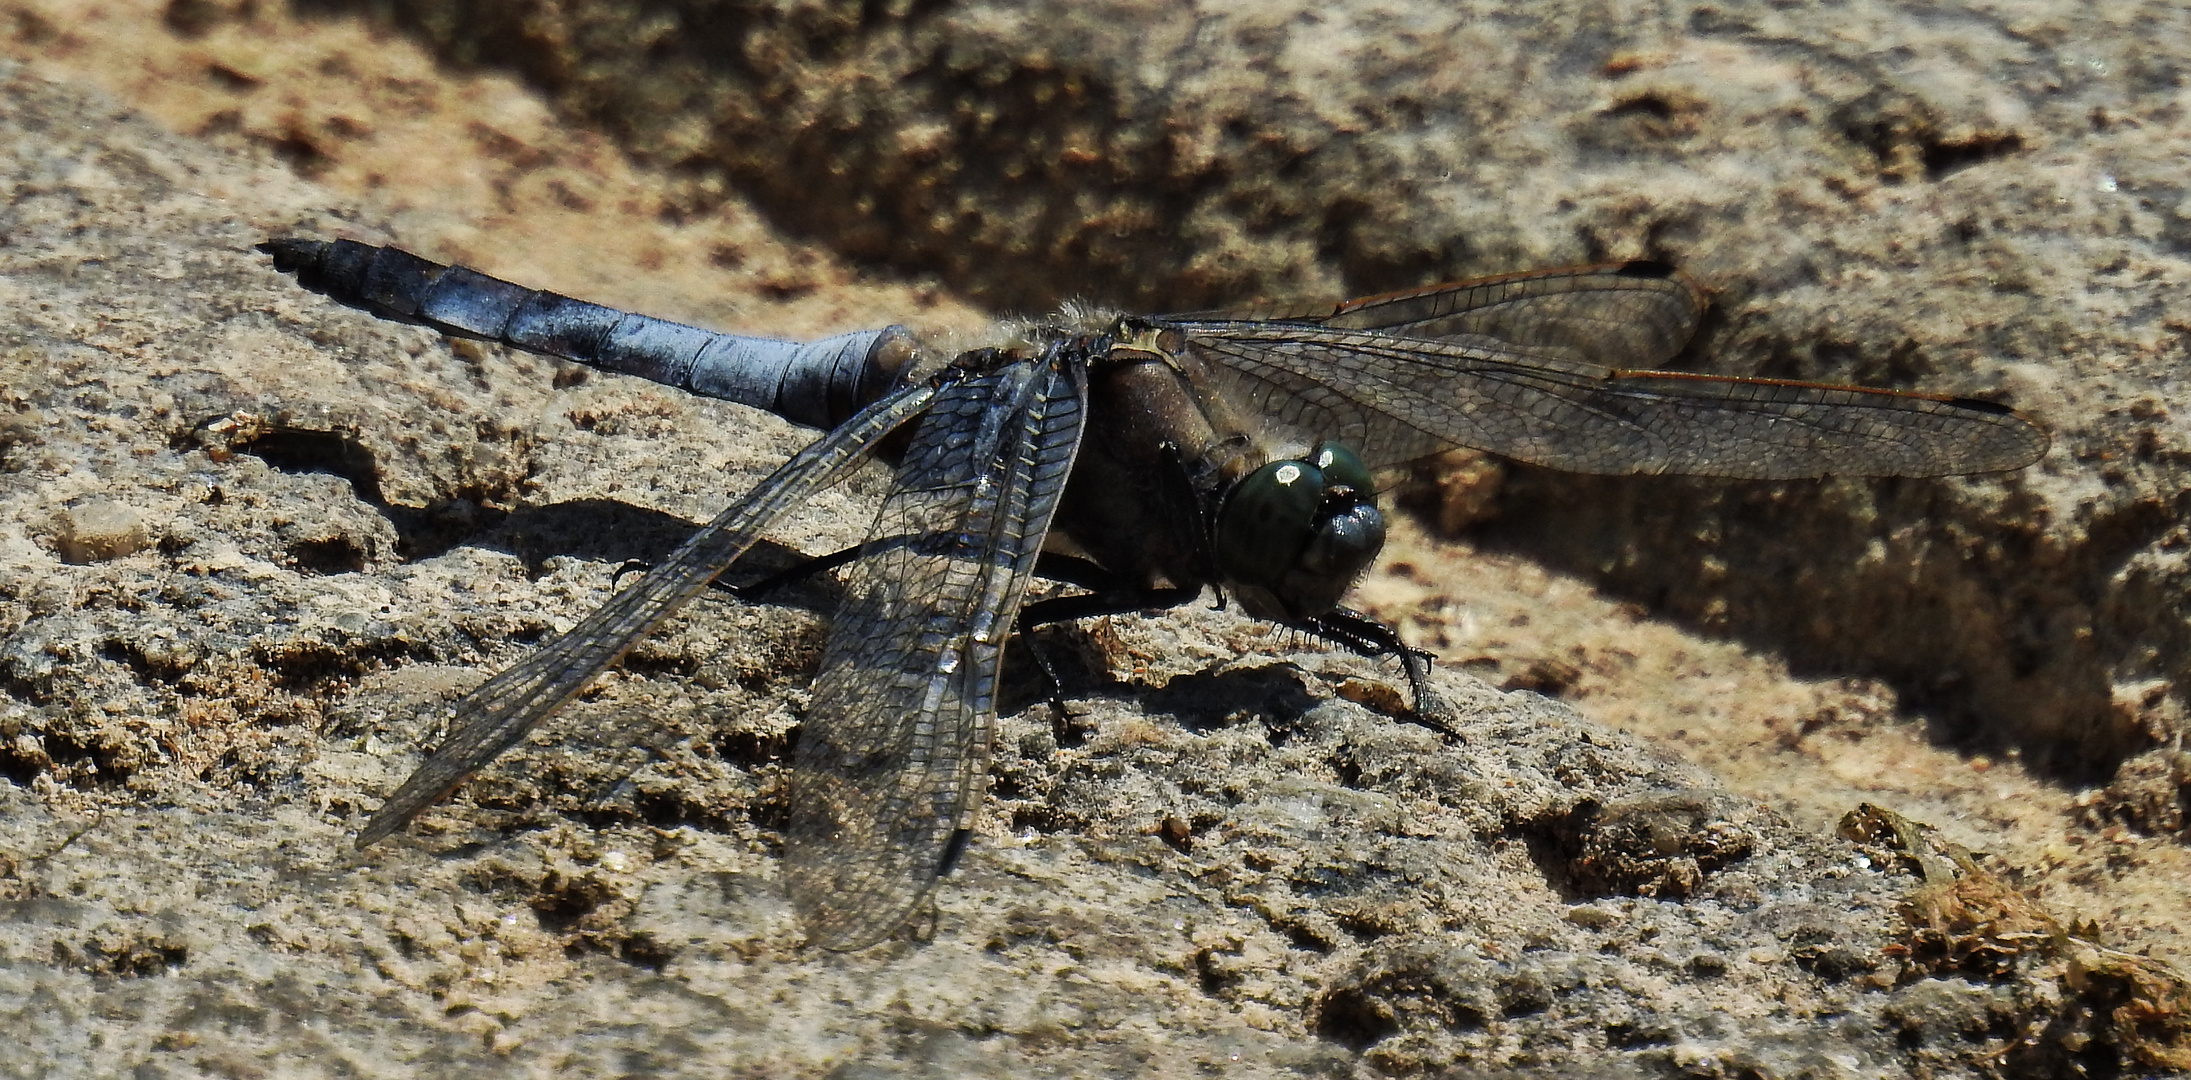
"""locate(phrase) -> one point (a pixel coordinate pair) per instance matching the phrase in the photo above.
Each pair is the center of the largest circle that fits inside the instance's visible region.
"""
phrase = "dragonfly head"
(1293, 536)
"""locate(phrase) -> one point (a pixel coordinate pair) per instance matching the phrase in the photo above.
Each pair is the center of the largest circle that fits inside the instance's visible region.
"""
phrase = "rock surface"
(1971, 200)
(1339, 889)
(346, 520)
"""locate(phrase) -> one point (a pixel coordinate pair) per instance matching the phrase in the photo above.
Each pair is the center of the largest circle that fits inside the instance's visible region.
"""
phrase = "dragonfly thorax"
(1293, 536)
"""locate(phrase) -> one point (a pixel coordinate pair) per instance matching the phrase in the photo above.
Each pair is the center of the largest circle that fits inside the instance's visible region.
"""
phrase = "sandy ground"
(1809, 747)
(472, 167)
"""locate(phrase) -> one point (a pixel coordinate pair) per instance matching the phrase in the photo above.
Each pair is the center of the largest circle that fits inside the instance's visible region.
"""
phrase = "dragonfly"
(1176, 454)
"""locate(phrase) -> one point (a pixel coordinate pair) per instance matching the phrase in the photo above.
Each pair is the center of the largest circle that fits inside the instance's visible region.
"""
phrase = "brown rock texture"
(249, 540)
(1979, 200)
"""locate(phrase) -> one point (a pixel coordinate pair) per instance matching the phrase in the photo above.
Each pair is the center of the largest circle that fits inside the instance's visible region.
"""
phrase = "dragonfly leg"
(1368, 637)
(799, 571)
(952, 850)
(1182, 502)
(1074, 570)
(1092, 605)
(754, 590)
(1108, 594)
(812, 565)
(1065, 568)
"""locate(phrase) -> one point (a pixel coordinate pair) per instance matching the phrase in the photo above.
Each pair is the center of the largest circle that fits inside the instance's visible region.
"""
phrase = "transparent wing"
(1624, 315)
(1398, 398)
(495, 716)
(893, 756)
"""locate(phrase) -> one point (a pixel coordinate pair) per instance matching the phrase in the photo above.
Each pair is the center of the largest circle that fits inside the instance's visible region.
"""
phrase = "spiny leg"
(1366, 636)
(1108, 594)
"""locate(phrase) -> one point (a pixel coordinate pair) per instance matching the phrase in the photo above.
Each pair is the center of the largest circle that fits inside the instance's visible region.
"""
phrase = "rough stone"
(194, 738)
(1238, 869)
(1976, 200)
(98, 531)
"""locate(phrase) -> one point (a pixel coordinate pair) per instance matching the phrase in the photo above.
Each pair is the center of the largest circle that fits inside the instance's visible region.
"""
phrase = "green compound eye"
(1294, 535)
(1342, 468)
(1266, 522)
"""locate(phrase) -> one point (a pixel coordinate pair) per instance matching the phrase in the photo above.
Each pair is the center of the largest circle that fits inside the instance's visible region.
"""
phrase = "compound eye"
(1342, 468)
(1266, 522)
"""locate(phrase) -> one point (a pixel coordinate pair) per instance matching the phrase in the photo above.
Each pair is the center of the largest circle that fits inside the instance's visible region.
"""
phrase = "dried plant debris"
(1660, 846)
(2150, 793)
(1969, 922)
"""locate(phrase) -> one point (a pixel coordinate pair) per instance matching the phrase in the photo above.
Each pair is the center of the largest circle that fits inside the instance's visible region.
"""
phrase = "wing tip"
(2032, 441)
(1647, 268)
(1982, 405)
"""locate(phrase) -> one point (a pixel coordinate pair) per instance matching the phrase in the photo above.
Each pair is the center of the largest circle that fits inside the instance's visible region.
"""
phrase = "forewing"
(1625, 315)
(1622, 315)
(1399, 398)
(893, 756)
(495, 716)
